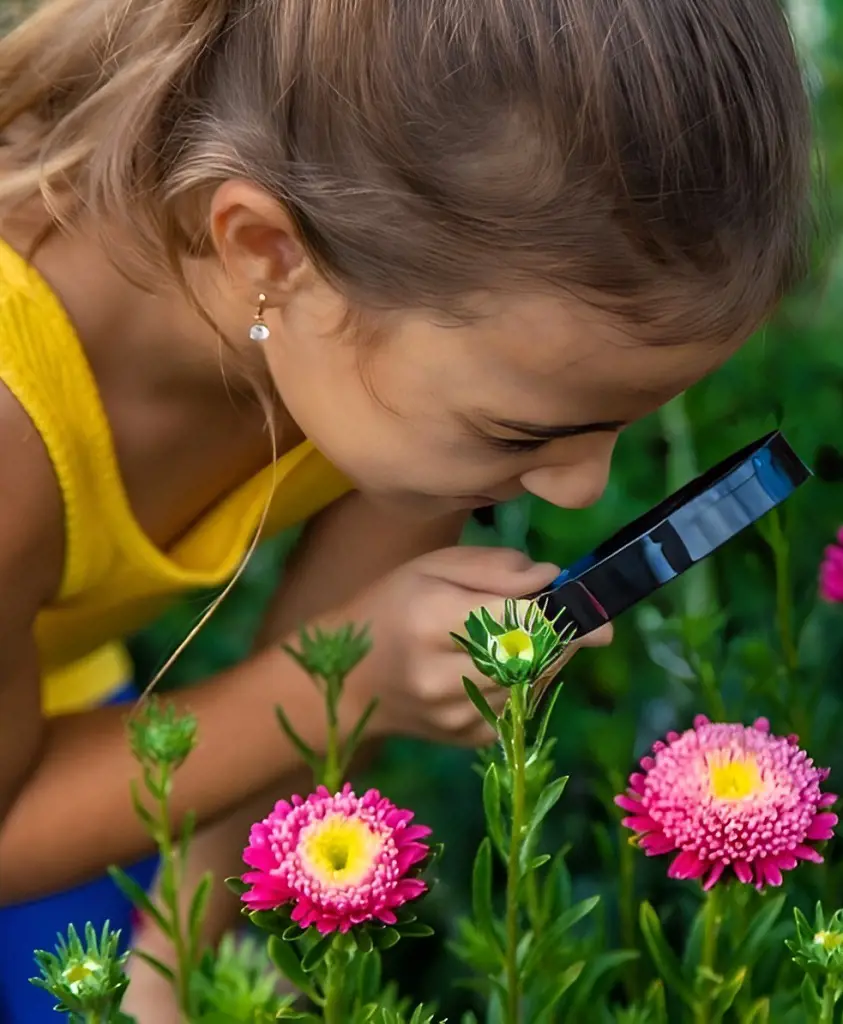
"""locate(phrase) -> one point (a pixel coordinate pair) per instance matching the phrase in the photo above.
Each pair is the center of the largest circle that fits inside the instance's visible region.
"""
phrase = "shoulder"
(31, 512)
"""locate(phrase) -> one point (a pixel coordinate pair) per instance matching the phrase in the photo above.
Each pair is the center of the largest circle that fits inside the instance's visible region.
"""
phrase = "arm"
(343, 550)
(69, 777)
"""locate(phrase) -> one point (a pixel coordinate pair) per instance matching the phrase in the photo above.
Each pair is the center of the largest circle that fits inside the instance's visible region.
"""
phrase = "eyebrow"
(543, 432)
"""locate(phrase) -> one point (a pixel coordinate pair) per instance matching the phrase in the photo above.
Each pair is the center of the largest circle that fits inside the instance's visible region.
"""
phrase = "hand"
(415, 669)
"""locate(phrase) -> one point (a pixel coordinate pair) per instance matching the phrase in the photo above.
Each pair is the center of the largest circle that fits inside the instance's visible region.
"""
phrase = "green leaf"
(595, 970)
(663, 957)
(481, 893)
(293, 933)
(548, 799)
(386, 938)
(307, 754)
(415, 930)
(753, 944)
(810, 998)
(551, 939)
(156, 964)
(728, 992)
(565, 980)
(269, 921)
(147, 819)
(694, 942)
(286, 960)
(479, 701)
(477, 631)
(656, 1003)
(316, 954)
(759, 1012)
(551, 697)
(538, 862)
(492, 807)
(353, 740)
(303, 1018)
(363, 940)
(237, 885)
(198, 906)
(139, 898)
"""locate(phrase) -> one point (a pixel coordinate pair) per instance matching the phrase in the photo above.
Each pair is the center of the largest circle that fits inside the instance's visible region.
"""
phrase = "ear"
(258, 243)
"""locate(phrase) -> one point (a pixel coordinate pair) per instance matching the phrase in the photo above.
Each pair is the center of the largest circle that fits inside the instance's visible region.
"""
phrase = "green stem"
(628, 915)
(170, 895)
(332, 1012)
(517, 768)
(708, 957)
(829, 994)
(332, 779)
(696, 591)
(784, 603)
(711, 691)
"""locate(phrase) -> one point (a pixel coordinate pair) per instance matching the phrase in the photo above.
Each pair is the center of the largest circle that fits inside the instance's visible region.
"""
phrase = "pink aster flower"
(340, 860)
(831, 571)
(722, 795)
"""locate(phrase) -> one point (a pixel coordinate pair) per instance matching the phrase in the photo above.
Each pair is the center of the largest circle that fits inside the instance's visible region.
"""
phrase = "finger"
(504, 572)
(600, 637)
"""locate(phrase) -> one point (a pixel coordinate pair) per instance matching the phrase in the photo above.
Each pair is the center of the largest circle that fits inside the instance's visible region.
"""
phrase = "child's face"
(425, 415)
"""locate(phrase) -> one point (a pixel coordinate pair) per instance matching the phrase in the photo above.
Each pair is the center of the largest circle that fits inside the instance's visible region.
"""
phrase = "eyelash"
(516, 444)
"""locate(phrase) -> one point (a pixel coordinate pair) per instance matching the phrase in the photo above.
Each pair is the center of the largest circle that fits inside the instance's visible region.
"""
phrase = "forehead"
(560, 352)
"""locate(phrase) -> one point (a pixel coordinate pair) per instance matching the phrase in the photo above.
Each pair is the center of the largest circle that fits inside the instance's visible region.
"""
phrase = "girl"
(444, 250)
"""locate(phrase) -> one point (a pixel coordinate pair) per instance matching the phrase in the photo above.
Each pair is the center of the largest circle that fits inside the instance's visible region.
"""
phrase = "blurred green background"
(618, 701)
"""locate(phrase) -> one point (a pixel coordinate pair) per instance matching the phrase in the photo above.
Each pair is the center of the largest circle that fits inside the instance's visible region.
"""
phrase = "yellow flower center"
(339, 851)
(77, 973)
(733, 778)
(829, 940)
(514, 644)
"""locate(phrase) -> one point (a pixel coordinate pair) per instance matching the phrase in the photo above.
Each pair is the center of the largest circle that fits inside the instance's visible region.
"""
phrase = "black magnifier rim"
(677, 533)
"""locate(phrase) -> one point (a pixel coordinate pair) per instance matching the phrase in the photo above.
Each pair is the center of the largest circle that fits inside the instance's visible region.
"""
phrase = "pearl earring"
(259, 331)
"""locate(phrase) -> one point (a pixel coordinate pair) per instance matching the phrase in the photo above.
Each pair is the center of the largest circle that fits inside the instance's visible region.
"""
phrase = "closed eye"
(516, 444)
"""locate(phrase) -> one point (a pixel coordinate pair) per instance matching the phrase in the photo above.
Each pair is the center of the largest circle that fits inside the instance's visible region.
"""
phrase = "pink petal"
(386, 916)
(409, 889)
(714, 875)
(687, 865)
(771, 872)
(656, 843)
(700, 721)
(636, 782)
(807, 853)
(629, 803)
(641, 824)
(827, 799)
(743, 871)
(409, 855)
(414, 832)
(762, 724)
(647, 763)
(786, 861)
(822, 827)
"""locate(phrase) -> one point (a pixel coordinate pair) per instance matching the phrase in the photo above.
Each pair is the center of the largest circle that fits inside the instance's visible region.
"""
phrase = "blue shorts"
(25, 927)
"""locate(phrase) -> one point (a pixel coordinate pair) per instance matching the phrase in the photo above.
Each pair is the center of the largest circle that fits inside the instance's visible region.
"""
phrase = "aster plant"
(333, 876)
(522, 955)
(733, 806)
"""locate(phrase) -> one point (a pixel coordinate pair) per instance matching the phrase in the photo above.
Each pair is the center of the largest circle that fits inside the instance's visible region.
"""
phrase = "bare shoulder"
(31, 516)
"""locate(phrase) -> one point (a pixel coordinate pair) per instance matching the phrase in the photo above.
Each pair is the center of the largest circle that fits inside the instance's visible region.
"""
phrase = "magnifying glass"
(678, 533)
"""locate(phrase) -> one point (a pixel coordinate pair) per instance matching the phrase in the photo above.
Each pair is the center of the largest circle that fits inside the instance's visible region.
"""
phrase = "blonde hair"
(651, 155)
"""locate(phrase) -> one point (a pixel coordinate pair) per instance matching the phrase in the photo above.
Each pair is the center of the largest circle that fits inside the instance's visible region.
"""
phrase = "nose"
(571, 486)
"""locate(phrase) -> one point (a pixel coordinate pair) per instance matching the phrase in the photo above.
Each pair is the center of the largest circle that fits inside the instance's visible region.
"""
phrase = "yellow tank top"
(115, 579)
